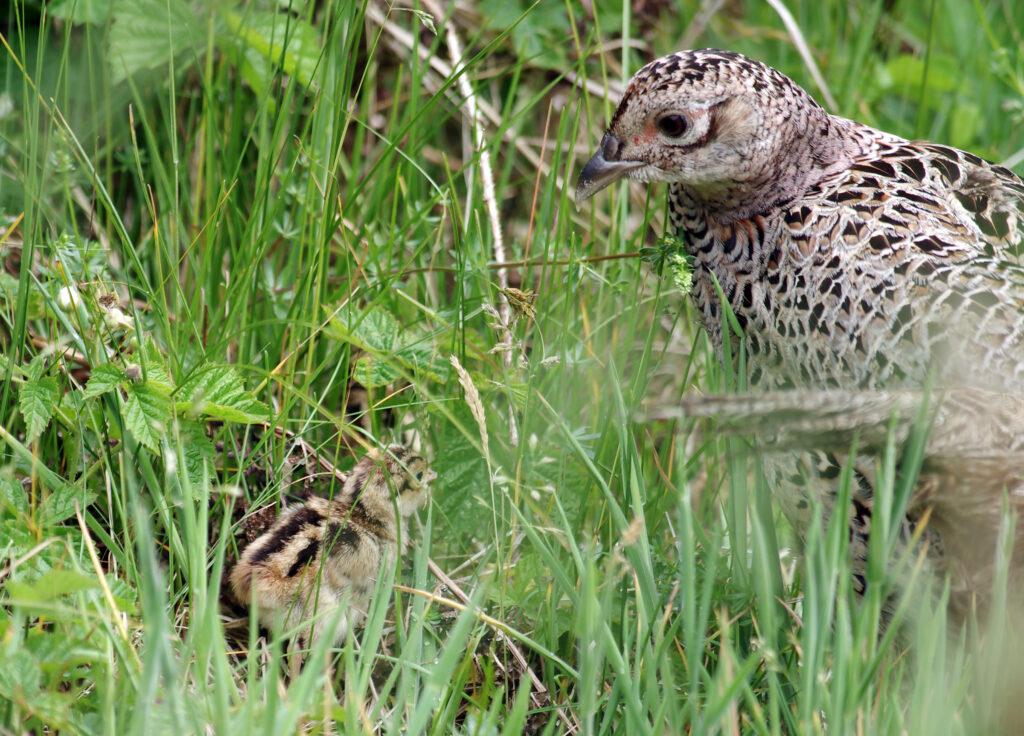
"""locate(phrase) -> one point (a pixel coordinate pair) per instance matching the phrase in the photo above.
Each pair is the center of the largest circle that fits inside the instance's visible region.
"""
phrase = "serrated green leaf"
(217, 391)
(13, 495)
(50, 586)
(9, 285)
(60, 504)
(20, 682)
(20, 674)
(197, 449)
(93, 12)
(147, 413)
(423, 359)
(17, 540)
(518, 393)
(372, 371)
(532, 26)
(37, 400)
(461, 472)
(156, 375)
(374, 329)
(148, 33)
(103, 378)
(124, 595)
(277, 38)
(34, 370)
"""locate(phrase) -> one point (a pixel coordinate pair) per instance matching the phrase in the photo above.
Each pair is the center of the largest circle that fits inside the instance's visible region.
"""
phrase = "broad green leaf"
(94, 12)
(12, 494)
(17, 539)
(147, 413)
(37, 401)
(21, 682)
(964, 125)
(36, 367)
(374, 329)
(9, 294)
(462, 488)
(372, 371)
(20, 674)
(60, 504)
(535, 28)
(906, 71)
(197, 450)
(148, 33)
(277, 38)
(155, 374)
(50, 586)
(124, 595)
(424, 360)
(103, 378)
(217, 391)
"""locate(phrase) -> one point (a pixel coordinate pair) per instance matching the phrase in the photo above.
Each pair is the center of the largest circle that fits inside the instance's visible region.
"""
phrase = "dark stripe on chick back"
(340, 537)
(304, 557)
(278, 537)
(359, 515)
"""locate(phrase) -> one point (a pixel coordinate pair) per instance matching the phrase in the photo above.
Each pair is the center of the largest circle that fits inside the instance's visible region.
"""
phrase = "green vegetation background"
(218, 221)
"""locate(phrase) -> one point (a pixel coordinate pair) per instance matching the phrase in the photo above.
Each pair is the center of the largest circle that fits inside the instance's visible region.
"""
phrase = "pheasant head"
(736, 134)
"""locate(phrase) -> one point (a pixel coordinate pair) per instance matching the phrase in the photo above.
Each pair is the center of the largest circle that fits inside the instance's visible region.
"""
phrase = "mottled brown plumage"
(973, 454)
(852, 259)
(325, 553)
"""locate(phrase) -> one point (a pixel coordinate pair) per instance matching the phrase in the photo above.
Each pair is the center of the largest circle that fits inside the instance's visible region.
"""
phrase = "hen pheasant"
(853, 260)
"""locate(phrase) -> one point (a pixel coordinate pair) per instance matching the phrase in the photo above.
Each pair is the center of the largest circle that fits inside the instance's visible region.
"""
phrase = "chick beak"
(603, 169)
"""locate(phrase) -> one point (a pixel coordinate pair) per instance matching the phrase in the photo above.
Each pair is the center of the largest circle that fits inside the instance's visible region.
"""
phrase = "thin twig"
(471, 110)
(102, 579)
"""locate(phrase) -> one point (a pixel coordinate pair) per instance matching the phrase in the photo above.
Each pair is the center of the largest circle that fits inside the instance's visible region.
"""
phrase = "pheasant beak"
(603, 169)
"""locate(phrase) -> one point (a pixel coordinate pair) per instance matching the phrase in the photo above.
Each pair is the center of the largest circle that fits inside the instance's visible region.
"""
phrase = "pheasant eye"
(419, 475)
(672, 125)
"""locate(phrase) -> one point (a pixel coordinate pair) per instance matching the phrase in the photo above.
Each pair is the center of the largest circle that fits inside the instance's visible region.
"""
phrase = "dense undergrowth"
(242, 243)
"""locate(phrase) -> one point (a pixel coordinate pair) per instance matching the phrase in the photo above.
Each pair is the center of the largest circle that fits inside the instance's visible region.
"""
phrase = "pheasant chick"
(325, 553)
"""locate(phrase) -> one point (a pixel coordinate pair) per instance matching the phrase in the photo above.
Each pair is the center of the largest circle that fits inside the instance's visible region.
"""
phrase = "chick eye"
(672, 125)
(419, 476)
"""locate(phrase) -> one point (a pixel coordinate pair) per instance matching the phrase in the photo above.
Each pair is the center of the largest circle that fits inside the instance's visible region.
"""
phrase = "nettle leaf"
(147, 34)
(372, 371)
(147, 414)
(37, 401)
(419, 358)
(104, 378)
(125, 596)
(424, 359)
(533, 27)
(60, 504)
(50, 586)
(217, 391)
(13, 495)
(271, 39)
(93, 12)
(9, 295)
(462, 475)
(21, 682)
(36, 367)
(197, 450)
(156, 375)
(374, 329)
